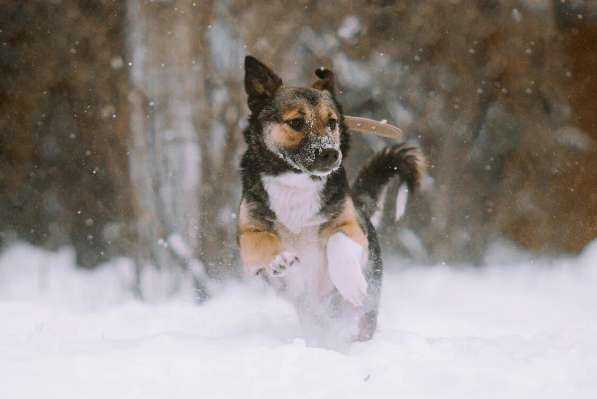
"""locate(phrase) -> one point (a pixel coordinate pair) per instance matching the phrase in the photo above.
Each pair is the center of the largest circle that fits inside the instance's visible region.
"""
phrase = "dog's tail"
(402, 160)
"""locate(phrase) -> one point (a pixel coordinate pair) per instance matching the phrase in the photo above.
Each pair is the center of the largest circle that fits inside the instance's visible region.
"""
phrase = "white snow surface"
(520, 328)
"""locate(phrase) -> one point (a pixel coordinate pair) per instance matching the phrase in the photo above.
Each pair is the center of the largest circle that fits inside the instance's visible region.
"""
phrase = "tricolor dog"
(301, 225)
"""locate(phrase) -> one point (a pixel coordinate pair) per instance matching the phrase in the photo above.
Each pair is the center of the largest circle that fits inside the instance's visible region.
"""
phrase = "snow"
(349, 28)
(575, 138)
(520, 328)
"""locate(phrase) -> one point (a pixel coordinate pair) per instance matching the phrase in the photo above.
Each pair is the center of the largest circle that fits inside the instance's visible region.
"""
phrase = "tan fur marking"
(324, 113)
(292, 113)
(258, 87)
(258, 249)
(284, 136)
(347, 222)
(258, 246)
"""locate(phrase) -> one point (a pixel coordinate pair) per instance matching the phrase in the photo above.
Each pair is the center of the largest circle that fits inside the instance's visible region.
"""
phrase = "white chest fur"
(295, 199)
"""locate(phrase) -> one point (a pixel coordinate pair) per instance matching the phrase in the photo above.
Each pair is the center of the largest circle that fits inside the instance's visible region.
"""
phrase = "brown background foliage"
(500, 94)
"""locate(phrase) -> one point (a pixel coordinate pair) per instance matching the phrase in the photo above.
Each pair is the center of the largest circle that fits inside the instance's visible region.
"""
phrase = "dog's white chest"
(295, 199)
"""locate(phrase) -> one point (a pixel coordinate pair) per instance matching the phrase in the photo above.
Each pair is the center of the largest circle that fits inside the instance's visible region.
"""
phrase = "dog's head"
(300, 125)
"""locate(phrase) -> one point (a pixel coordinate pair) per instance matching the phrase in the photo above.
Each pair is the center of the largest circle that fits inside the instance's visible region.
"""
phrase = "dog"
(301, 225)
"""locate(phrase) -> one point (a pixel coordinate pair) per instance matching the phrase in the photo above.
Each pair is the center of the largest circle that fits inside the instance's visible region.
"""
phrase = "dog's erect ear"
(261, 82)
(327, 80)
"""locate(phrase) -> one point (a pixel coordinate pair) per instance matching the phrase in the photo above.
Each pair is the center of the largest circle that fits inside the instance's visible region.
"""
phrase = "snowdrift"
(519, 328)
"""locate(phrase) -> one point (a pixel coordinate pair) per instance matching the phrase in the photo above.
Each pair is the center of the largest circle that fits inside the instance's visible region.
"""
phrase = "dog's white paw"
(344, 267)
(281, 263)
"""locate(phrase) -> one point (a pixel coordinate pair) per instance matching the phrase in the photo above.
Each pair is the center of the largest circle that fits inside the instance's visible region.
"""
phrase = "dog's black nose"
(329, 156)
(326, 159)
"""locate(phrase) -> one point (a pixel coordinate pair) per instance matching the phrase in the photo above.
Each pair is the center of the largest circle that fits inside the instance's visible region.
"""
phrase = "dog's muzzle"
(326, 160)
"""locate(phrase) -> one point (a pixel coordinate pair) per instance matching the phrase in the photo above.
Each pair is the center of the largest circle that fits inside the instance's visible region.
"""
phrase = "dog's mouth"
(323, 173)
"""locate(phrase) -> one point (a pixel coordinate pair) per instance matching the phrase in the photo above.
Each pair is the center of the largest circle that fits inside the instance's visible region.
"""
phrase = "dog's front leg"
(262, 251)
(345, 267)
(260, 247)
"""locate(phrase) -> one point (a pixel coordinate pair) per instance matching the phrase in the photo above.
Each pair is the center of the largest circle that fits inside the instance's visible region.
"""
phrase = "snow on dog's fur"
(301, 226)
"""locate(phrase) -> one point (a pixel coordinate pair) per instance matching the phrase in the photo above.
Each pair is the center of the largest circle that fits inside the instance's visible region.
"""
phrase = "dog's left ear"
(261, 83)
(326, 81)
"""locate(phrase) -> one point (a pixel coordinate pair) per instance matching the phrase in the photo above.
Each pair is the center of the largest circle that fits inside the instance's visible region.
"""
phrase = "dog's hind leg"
(374, 276)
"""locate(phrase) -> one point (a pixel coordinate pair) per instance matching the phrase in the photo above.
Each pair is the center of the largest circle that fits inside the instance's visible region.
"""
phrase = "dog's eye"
(332, 124)
(297, 123)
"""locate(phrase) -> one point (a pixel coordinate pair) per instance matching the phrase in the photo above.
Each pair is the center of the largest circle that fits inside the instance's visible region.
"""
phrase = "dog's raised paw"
(281, 263)
(344, 268)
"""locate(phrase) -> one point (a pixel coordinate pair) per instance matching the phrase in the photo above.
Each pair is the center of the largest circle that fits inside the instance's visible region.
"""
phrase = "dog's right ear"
(326, 81)
(261, 83)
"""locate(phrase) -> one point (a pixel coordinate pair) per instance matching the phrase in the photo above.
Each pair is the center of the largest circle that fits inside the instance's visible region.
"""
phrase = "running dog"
(301, 225)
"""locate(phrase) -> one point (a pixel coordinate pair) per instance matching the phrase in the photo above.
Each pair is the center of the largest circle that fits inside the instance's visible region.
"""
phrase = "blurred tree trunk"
(63, 125)
(164, 156)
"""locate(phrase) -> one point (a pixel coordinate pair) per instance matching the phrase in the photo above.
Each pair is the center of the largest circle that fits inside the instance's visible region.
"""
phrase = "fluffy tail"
(402, 160)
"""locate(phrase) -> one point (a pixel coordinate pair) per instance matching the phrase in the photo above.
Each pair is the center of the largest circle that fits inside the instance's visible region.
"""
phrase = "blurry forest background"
(121, 121)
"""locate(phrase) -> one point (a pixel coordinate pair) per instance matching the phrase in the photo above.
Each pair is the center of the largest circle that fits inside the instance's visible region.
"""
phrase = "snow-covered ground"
(522, 328)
